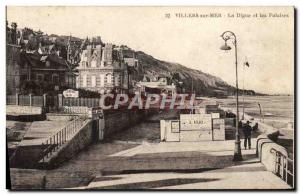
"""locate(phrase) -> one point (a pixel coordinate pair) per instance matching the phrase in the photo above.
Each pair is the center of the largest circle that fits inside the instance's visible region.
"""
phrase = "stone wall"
(115, 122)
(27, 179)
(15, 109)
(81, 140)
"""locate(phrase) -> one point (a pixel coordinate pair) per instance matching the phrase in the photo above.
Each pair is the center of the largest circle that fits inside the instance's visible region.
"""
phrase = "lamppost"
(228, 35)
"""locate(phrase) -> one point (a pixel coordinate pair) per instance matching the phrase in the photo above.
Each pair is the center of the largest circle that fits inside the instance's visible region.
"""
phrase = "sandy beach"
(276, 111)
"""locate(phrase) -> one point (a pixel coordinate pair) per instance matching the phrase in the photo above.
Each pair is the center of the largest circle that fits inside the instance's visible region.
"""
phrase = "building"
(134, 68)
(13, 69)
(49, 72)
(32, 67)
(103, 68)
(13, 72)
(155, 84)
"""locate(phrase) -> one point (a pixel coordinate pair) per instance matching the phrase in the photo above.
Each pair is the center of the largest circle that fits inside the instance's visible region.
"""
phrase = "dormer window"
(94, 64)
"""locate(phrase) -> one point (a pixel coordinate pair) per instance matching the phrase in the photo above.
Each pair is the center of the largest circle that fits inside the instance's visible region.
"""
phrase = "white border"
(3, 3)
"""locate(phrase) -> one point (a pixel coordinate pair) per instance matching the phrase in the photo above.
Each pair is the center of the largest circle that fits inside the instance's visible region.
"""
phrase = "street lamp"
(228, 35)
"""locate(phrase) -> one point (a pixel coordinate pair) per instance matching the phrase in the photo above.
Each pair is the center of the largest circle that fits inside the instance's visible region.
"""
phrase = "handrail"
(55, 141)
(282, 169)
(257, 140)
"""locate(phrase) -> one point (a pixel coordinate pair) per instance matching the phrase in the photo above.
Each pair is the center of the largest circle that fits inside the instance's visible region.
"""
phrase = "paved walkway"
(246, 176)
(39, 131)
(189, 165)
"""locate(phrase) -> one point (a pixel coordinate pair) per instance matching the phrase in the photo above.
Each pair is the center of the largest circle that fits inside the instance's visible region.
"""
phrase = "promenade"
(140, 161)
(136, 159)
(205, 165)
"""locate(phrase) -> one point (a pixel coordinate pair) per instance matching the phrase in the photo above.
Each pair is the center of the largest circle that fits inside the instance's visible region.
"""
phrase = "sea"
(277, 111)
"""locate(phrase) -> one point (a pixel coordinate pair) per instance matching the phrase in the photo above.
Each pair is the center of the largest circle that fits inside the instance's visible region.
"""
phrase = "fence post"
(60, 100)
(30, 99)
(44, 100)
(17, 99)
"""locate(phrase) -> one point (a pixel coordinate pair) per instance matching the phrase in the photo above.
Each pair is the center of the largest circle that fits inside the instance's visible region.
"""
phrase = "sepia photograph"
(150, 98)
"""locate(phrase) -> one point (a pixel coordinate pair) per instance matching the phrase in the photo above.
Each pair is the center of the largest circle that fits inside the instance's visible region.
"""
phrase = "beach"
(276, 111)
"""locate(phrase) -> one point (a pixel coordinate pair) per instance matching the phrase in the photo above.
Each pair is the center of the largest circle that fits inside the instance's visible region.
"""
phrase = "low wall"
(115, 122)
(26, 156)
(14, 110)
(60, 117)
(24, 113)
(264, 151)
(74, 109)
(27, 179)
(82, 139)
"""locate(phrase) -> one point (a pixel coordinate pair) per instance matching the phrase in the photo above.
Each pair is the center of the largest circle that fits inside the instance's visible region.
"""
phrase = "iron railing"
(86, 102)
(54, 142)
(37, 101)
(284, 167)
(10, 100)
(24, 100)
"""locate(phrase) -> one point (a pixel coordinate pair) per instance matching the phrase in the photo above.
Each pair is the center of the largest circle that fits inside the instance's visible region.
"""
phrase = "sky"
(267, 43)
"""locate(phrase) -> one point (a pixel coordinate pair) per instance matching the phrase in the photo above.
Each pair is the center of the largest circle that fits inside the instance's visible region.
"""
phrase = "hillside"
(203, 83)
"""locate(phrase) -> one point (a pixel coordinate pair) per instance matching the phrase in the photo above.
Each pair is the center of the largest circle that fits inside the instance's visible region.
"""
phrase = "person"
(247, 129)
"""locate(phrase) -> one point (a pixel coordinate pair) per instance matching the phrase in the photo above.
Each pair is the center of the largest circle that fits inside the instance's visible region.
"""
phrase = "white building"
(103, 69)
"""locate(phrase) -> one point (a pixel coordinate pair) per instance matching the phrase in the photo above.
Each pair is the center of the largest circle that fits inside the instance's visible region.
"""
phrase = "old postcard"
(144, 98)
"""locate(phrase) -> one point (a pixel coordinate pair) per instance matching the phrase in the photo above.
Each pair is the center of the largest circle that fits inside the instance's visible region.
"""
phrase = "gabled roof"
(51, 57)
(44, 58)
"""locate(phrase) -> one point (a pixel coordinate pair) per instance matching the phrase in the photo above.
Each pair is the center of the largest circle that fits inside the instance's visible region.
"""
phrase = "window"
(94, 64)
(109, 78)
(117, 81)
(47, 64)
(93, 81)
(84, 64)
(84, 80)
(40, 77)
(47, 77)
(23, 78)
(121, 79)
(55, 78)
